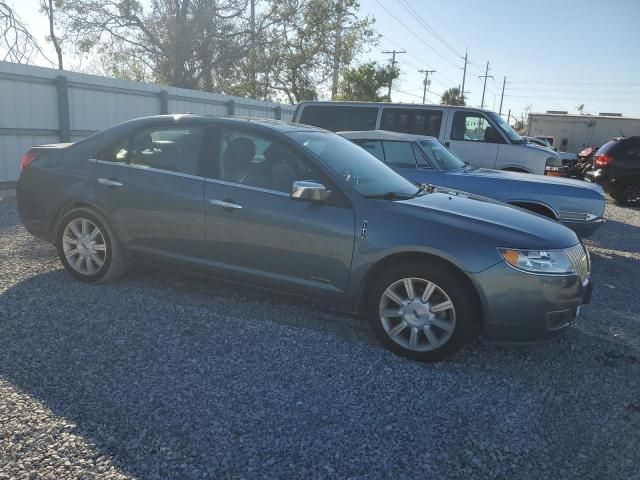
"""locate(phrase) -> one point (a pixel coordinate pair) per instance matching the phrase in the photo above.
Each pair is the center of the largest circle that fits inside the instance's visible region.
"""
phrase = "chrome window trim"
(246, 187)
(147, 169)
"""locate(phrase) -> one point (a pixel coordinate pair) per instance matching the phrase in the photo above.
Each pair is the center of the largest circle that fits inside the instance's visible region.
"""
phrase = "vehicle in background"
(305, 211)
(547, 140)
(617, 169)
(568, 159)
(479, 137)
(421, 159)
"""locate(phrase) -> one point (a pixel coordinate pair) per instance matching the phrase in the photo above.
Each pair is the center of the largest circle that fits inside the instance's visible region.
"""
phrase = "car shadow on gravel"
(172, 377)
(613, 233)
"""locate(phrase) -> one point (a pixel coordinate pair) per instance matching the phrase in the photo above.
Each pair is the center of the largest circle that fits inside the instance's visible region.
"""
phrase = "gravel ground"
(162, 377)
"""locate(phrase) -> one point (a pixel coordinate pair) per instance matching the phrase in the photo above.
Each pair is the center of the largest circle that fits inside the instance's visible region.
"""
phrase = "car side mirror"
(309, 190)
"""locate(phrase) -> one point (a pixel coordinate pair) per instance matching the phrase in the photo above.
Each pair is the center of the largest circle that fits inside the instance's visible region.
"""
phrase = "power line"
(428, 27)
(415, 35)
(575, 83)
(574, 98)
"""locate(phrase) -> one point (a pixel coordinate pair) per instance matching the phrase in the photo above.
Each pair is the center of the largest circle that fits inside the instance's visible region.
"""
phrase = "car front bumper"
(526, 308)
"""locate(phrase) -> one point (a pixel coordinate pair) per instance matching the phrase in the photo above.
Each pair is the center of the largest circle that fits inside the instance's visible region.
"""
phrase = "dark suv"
(617, 170)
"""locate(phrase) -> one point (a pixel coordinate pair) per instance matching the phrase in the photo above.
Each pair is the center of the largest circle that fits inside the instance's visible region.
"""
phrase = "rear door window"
(338, 118)
(412, 120)
(167, 148)
(399, 154)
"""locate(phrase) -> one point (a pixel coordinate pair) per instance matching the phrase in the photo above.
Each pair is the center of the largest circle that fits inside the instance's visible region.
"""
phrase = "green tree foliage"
(452, 97)
(363, 83)
(286, 50)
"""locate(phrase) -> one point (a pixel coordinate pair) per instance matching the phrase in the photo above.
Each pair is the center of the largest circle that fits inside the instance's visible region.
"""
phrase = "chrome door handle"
(223, 204)
(109, 183)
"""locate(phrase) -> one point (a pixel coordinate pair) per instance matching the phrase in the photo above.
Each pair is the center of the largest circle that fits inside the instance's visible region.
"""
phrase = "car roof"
(383, 135)
(280, 125)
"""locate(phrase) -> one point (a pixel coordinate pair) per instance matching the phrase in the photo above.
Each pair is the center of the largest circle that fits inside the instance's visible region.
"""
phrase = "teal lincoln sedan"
(304, 211)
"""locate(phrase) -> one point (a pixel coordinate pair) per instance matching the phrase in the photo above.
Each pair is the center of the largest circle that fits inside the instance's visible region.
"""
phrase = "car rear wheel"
(421, 312)
(629, 194)
(88, 249)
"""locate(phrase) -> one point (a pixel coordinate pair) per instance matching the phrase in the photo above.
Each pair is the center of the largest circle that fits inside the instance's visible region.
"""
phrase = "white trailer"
(572, 133)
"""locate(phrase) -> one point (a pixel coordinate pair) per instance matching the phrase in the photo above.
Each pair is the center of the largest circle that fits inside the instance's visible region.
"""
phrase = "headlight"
(538, 261)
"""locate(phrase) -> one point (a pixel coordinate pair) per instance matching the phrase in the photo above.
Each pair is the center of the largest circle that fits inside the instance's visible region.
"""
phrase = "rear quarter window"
(339, 117)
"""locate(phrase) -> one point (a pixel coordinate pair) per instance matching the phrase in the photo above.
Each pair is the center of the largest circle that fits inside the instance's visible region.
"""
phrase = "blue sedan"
(422, 159)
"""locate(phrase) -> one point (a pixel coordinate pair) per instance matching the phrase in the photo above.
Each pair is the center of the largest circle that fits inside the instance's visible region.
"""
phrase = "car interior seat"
(237, 160)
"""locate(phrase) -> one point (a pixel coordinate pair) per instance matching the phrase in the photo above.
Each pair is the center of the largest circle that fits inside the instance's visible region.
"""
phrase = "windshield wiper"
(424, 188)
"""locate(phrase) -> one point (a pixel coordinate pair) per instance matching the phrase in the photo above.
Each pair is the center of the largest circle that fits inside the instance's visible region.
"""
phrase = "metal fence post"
(164, 102)
(231, 108)
(64, 122)
(277, 113)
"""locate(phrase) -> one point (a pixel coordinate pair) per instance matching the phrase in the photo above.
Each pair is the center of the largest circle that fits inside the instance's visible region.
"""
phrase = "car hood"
(499, 223)
(526, 178)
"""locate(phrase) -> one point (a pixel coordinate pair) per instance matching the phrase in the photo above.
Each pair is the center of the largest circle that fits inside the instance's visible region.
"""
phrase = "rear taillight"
(603, 160)
(27, 159)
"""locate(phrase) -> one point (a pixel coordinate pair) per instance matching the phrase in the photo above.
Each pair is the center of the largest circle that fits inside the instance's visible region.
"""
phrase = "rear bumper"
(600, 177)
(525, 308)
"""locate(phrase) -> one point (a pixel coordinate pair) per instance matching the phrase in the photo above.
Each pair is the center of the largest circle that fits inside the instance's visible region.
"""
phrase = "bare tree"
(16, 42)
(47, 7)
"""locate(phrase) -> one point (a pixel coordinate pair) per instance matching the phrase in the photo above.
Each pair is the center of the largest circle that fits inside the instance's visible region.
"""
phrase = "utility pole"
(426, 82)
(393, 64)
(464, 73)
(485, 76)
(509, 116)
(504, 82)
(338, 50)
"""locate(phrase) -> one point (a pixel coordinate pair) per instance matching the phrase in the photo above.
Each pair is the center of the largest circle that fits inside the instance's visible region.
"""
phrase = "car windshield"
(444, 158)
(364, 172)
(506, 128)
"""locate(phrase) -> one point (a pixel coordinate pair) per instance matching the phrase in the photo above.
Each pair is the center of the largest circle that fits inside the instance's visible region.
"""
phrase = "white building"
(572, 133)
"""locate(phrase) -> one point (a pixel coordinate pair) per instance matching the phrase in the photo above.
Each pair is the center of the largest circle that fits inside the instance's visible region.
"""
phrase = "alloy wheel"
(84, 246)
(417, 314)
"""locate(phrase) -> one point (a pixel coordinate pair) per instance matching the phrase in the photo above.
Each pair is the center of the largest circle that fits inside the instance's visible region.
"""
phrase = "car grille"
(579, 257)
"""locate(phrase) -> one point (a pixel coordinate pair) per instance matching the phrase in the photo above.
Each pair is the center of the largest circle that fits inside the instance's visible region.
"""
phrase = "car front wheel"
(88, 249)
(423, 313)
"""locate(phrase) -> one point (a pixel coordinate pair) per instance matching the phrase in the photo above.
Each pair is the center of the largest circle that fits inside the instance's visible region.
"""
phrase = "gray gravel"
(158, 376)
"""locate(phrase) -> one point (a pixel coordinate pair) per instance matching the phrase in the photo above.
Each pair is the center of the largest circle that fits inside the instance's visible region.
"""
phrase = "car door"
(473, 138)
(255, 231)
(148, 185)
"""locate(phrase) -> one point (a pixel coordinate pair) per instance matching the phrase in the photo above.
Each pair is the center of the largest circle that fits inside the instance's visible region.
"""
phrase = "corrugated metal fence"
(43, 105)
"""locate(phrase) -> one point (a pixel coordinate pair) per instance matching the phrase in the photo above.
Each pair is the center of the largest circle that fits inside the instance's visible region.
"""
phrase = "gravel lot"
(157, 376)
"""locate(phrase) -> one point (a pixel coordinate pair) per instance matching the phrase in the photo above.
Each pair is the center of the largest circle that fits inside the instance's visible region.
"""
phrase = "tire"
(99, 257)
(450, 327)
(628, 194)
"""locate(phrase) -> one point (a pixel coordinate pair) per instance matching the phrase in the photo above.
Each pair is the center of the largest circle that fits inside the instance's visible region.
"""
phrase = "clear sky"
(556, 55)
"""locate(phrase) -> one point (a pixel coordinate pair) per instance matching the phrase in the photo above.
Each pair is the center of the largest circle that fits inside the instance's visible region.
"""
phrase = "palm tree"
(452, 97)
